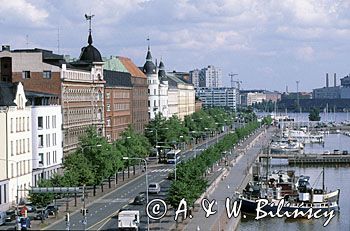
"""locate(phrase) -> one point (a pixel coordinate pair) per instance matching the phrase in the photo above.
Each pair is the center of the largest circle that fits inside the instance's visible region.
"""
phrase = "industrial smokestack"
(335, 79)
(327, 81)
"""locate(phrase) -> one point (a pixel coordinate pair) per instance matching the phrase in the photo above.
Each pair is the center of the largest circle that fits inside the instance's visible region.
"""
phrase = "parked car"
(2, 217)
(154, 188)
(52, 209)
(139, 199)
(10, 215)
(30, 207)
(41, 214)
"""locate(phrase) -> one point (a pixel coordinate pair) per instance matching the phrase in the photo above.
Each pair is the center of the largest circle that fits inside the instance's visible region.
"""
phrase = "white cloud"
(22, 10)
(305, 53)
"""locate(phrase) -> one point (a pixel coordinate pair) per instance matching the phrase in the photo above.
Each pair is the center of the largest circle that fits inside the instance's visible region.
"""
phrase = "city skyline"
(267, 42)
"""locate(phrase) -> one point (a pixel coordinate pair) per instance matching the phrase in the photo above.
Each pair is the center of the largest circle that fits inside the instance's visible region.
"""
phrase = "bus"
(172, 156)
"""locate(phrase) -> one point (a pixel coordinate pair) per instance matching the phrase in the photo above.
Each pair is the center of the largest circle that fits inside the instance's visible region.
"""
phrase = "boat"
(304, 136)
(286, 145)
(294, 193)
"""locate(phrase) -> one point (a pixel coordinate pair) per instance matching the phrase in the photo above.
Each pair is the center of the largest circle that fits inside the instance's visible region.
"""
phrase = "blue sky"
(269, 43)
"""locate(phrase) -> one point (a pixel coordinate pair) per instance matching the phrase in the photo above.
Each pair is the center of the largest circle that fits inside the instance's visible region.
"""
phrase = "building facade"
(185, 95)
(194, 77)
(157, 88)
(217, 97)
(78, 84)
(15, 144)
(139, 97)
(118, 103)
(47, 146)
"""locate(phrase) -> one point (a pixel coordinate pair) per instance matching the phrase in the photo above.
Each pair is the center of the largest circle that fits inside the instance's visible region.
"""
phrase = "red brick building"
(118, 103)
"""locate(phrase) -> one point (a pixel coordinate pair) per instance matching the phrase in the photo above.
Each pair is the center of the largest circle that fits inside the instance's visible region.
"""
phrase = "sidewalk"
(235, 178)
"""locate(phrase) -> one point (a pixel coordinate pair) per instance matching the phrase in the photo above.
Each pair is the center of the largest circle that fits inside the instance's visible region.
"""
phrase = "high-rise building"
(206, 77)
(218, 97)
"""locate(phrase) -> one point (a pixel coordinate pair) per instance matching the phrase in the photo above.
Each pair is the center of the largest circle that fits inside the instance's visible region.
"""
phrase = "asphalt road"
(102, 212)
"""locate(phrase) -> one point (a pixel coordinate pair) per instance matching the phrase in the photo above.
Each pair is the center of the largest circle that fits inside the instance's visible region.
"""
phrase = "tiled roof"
(7, 94)
(117, 79)
(132, 68)
(114, 64)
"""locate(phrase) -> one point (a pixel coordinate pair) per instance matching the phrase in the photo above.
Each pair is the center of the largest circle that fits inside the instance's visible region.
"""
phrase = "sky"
(270, 44)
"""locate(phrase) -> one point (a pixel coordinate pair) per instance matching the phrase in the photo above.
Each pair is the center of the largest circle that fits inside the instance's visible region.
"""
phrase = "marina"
(330, 156)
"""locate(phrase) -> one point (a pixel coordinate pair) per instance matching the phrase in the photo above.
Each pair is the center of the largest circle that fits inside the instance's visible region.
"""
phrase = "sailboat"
(287, 193)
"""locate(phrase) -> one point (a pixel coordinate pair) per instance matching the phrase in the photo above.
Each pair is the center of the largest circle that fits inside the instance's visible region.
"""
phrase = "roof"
(8, 94)
(132, 68)
(114, 64)
(89, 53)
(117, 79)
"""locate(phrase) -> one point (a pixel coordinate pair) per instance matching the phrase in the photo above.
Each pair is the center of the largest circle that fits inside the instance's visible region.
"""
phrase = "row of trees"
(164, 132)
(191, 181)
(95, 161)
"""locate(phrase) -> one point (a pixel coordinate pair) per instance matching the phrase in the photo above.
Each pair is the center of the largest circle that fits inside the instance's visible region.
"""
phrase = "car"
(30, 207)
(139, 199)
(154, 188)
(52, 209)
(10, 215)
(41, 214)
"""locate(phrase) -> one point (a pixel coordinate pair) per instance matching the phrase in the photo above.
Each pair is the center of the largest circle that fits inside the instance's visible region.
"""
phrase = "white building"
(250, 98)
(194, 76)
(47, 136)
(15, 144)
(157, 88)
(210, 77)
(218, 97)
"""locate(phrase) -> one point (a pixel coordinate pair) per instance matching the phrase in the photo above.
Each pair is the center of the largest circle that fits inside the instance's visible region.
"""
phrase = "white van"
(2, 217)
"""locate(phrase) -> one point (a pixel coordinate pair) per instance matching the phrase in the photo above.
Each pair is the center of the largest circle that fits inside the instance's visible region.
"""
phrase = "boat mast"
(323, 177)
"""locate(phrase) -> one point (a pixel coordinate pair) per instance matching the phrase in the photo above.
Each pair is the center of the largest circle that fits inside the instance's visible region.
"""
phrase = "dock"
(295, 158)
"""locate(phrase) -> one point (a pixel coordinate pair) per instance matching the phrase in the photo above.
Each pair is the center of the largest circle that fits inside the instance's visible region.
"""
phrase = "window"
(12, 170)
(27, 123)
(26, 74)
(48, 140)
(40, 122)
(108, 137)
(155, 92)
(11, 148)
(54, 121)
(108, 122)
(47, 122)
(47, 74)
(41, 158)
(54, 142)
(48, 158)
(108, 95)
(40, 141)
(28, 145)
(108, 107)
(17, 147)
(11, 125)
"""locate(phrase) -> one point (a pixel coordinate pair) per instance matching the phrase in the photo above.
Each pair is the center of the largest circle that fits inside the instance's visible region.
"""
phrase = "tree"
(42, 199)
(314, 115)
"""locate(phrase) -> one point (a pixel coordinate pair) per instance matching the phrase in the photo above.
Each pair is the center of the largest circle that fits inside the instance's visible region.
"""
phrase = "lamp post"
(137, 158)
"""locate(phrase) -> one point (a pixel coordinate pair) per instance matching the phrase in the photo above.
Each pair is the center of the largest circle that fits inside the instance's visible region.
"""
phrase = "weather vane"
(89, 18)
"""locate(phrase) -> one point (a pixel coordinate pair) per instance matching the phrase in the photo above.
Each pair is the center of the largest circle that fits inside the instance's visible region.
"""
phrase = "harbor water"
(335, 177)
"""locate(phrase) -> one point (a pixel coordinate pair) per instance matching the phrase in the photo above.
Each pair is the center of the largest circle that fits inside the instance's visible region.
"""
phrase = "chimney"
(5, 47)
(335, 79)
(327, 81)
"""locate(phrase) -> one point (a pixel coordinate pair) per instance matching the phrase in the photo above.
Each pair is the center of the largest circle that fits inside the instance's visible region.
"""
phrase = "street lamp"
(137, 158)
(90, 146)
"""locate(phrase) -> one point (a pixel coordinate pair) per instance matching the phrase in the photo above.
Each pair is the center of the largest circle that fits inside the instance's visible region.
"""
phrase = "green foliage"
(314, 115)
(190, 182)
(42, 199)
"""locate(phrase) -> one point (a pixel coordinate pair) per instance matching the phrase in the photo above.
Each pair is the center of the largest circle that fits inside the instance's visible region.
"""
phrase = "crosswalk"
(162, 170)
